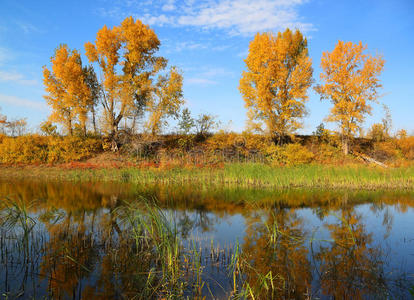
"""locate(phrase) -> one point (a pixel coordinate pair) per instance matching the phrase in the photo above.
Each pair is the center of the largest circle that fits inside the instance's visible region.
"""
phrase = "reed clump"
(243, 175)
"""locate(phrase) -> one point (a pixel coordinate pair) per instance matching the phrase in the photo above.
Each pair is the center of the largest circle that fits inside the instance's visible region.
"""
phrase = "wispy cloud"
(236, 17)
(4, 55)
(169, 6)
(159, 20)
(180, 46)
(243, 53)
(217, 72)
(246, 17)
(200, 81)
(26, 27)
(17, 78)
(209, 76)
(21, 102)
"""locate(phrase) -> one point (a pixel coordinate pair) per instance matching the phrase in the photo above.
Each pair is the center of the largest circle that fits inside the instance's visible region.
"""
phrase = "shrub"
(72, 148)
(290, 154)
(23, 149)
(378, 132)
(385, 150)
(326, 153)
(406, 145)
(46, 149)
(243, 143)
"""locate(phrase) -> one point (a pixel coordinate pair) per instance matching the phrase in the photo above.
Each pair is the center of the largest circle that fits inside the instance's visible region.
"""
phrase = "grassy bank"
(236, 174)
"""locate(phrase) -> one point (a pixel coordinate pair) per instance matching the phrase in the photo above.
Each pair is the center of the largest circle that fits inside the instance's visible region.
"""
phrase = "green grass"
(242, 174)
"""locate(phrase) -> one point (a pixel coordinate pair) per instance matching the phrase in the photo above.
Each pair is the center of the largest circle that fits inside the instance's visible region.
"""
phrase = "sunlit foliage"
(274, 86)
(126, 56)
(67, 92)
(350, 81)
(47, 149)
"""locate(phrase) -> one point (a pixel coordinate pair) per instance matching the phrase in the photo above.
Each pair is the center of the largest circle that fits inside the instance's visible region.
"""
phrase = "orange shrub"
(2, 136)
(385, 150)
(243, 143)
(72, 148)
(406, 145)
(46, 149)
(290, 154)
(327, 153)
(23, 149)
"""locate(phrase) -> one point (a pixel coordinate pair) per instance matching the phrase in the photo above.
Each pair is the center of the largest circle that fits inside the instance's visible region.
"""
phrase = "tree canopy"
(350, 80)
(126, 56)
(274, 86)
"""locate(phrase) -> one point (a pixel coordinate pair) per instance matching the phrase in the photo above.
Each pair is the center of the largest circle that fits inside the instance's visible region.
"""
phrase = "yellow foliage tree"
(67, 93)
(349, 80)
(274, 87)
(3, 123)
(126, 56)
(165, 101)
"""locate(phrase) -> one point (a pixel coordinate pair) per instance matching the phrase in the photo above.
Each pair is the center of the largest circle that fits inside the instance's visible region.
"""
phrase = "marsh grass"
(244, 175)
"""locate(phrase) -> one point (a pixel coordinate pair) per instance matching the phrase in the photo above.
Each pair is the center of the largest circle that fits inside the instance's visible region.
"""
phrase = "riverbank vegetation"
(255, 175)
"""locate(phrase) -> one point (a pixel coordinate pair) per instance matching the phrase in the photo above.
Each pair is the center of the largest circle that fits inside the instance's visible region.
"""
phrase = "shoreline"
(352, 177)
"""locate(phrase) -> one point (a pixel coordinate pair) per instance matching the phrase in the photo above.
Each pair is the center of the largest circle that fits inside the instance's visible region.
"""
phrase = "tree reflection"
(349, 267)
(276, 246)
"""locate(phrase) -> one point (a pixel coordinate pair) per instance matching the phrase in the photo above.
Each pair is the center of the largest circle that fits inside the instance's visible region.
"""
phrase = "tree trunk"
(70, 127)
(93, 119)
(345, 145)
(114, 137)
(280, 140)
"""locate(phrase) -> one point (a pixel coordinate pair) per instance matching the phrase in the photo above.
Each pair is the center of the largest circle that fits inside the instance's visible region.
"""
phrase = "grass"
(237, 174)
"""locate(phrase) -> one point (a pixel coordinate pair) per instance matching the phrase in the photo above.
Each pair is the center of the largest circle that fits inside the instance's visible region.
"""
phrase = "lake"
(86, 240)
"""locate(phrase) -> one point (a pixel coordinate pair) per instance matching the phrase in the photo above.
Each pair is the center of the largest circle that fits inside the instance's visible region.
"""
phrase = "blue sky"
(208, 40)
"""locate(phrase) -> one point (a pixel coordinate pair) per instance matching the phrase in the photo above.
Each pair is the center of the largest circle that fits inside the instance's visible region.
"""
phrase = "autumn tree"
(48, 129)
(350, 81)
(165, 101)
(274, 87)
(205, 123)
(91, 81)
(17, 127)
(126, 56)
(3, 122)
(67, 92)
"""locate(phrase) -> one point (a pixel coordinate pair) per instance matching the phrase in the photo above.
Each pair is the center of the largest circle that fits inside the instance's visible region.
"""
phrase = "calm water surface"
(315, 244)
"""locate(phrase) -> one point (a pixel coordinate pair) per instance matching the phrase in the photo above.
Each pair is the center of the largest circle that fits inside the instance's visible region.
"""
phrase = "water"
(307, 244)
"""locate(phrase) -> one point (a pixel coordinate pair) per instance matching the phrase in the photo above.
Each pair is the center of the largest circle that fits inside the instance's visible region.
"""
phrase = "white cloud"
(237, 17)
(200, 81)
(155, 20)
(209, 76)
(16, 78)
(220, 48)
(188, 46)
(217, 72)
(169, 6)
(16, 101)
(247, 17)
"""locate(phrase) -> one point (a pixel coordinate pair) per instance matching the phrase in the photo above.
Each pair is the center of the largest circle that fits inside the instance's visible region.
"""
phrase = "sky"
(208, 40)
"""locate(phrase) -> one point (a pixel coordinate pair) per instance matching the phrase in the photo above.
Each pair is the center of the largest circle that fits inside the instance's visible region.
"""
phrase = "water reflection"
(275, 244)
(293, 244)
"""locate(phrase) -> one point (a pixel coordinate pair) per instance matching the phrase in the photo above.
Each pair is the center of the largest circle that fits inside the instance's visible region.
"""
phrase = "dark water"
(314, 244)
